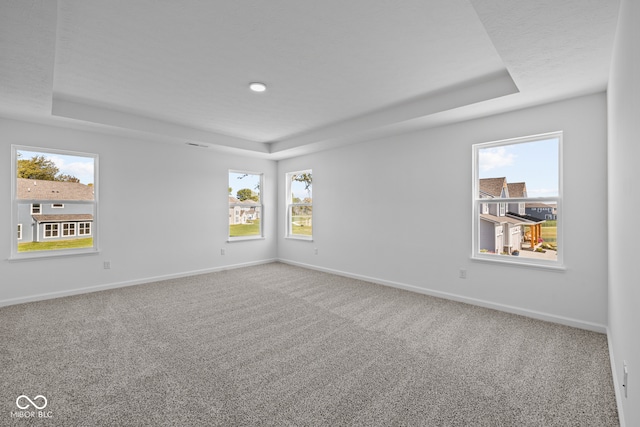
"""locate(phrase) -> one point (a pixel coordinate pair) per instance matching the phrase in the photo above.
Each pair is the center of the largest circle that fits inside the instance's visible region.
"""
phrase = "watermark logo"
(22, 398)
(31, 408)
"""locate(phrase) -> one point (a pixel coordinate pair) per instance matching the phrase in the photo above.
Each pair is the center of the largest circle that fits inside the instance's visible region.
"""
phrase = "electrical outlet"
(625, 378)
(107, 265)
(315, 251)
(463, 273)
(222, 252)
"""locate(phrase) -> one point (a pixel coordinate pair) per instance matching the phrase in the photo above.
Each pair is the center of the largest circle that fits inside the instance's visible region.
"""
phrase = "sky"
(80, 167)
(534, 163)
(238, 181)
(298, 190)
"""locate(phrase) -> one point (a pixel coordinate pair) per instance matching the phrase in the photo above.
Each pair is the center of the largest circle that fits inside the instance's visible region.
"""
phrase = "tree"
(303, 177)
(66, 178)
(247, 194)
(39, 167)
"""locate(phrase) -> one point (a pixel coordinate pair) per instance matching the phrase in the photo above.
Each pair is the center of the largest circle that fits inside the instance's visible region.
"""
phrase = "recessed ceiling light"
(257, 87)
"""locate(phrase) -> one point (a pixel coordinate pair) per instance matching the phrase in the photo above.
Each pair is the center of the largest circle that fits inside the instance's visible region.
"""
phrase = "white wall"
(397, 211)
(624, 206)
(162, 212)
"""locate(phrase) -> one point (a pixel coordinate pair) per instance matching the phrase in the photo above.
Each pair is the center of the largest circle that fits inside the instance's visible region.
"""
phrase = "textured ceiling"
(338, 72)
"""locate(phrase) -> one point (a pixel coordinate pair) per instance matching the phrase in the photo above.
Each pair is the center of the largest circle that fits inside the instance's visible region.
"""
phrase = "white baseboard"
(473, 301)
(59, 294)
(616, 383)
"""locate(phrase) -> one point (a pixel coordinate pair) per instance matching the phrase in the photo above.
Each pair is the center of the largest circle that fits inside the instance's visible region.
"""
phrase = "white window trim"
(289, 205)
(55, 230)
(57, 205)
(476, 255)
(19, 231)
(72, 226)
(87, 224)
(39, 208)
(260, 205)
(32, 255)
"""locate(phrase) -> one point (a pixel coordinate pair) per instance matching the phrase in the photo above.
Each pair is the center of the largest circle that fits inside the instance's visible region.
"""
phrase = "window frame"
(477, 205)
(290, 205)
(69, 229)
(51, 230)
(260, 205)
(87, 225)
(16, 255)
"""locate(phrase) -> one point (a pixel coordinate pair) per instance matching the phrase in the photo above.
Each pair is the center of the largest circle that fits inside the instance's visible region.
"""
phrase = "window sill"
(50, 254)
(507, 260)
(244, 239)
(303, 238)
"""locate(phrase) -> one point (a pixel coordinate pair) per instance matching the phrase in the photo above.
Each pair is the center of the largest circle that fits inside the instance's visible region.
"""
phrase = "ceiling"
(338, 72)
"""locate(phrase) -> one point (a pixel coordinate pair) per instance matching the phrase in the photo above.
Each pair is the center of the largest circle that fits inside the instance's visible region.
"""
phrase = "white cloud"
(491, 158)
(79, 169)
(542, 192)
(82, 169)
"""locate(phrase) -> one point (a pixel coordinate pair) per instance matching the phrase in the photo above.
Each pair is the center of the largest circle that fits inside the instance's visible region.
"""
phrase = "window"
(299, 205)
(51, 230)
(54, 202)
(517, 200)
(69, 229)
(245, 205)
(84, 229)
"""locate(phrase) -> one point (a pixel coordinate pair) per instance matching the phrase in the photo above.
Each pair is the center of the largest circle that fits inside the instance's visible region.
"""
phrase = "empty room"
(371, 213)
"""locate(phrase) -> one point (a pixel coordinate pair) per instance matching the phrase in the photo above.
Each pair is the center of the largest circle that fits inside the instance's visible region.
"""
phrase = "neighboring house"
(243, 212)
(502, 225)
(53, 210)
(542, 211)
(517, 189)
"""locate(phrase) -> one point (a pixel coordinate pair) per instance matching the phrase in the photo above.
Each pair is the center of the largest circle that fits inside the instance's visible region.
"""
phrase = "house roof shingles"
(247, 202)
(492, 186)
(517, 189)
(63, 217)
(38, 189)
(527, 218)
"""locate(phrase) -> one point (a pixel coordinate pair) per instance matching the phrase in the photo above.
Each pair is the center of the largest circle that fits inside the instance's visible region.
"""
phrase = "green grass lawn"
(549, 231)
(304, 230)
(238, 230)
(549, 234)
(86, 242)
(298, 225)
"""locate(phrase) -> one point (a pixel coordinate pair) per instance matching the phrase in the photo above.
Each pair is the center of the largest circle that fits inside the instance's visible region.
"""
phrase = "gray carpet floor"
(280, 345)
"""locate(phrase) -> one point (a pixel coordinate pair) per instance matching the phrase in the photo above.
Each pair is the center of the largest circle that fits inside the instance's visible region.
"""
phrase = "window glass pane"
(244, 220)
(84, 228)
(245, 204)
(527, 171)
(530, 235)
(301, 220)
(301, 188)
(532, 164)
(245, 186)
(54, 193)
